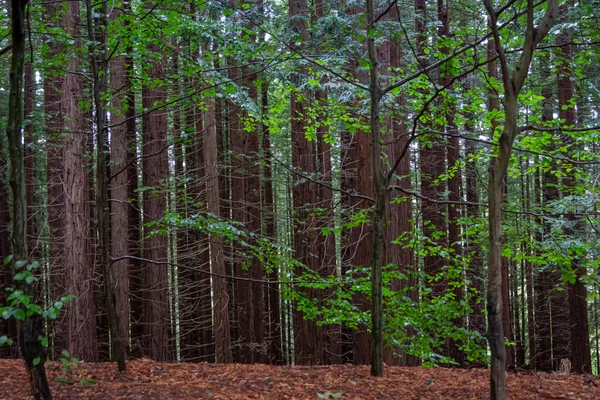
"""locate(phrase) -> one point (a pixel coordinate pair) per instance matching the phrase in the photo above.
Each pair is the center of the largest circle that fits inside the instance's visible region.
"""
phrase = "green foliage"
(70, 371)
(416, 327)
(20, 306)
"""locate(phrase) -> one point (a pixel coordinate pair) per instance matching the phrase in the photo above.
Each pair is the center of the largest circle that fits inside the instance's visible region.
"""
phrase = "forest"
(301, 183)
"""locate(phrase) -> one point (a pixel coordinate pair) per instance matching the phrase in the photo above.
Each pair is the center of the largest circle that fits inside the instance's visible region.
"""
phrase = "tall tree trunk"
(30, 161)
(220, 295)
(253, 222)
(78, 261)
(274, 325)
(475, 273)
(432, 155)
(155, 172)
(30, 328)
(54, 122)
(326, 250)
(120, 157)
(454, 181)
(8, 327)
(493, 106)
(308, 336)
(513, 81)
(577, 294)
(529, 279)
(97, 24)
(399, 213)
(381, 190)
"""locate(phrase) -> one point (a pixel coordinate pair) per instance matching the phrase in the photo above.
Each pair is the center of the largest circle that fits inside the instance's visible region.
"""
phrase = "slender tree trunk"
(7, 326)
(531, 320)
(475, 273)
(454, 181)
(97, 30)
(54, 122)
(326, 243)
(221, 298)
(493, 106)
(120, 70)
(512, 82)
(274, 326)
(253, 225)
(378, 217)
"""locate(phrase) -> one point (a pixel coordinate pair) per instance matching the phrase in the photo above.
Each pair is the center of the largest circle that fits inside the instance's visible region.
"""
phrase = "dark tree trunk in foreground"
(513, 82)
(378, 218)
(30, 328)
(493, 105)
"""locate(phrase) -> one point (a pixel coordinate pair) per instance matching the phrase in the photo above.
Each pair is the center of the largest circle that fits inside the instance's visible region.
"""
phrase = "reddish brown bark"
(454, 181)
(577, 293)
(432, 156)
(154, 175)
(273, 316)
(74, 181)
(120, 73)
(54, 122)
(308, 337)
(253, 226)
(221, 298)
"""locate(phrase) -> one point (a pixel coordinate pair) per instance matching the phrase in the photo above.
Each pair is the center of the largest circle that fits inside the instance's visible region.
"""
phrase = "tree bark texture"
(120, 157)
(581, 360)
(219, 285)
(154, 174)
(30, 328)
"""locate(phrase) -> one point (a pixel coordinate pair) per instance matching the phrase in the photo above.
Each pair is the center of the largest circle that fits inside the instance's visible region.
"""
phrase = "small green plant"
(20, 305)
(69, 369)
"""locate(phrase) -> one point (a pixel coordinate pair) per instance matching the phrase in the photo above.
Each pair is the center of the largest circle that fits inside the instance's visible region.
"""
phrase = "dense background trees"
(262, 157)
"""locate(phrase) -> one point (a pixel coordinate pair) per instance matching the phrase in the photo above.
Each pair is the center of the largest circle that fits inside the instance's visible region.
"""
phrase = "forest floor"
(147, 379)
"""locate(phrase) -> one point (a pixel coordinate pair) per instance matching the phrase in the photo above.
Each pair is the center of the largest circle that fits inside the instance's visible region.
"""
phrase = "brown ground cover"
(147, 379)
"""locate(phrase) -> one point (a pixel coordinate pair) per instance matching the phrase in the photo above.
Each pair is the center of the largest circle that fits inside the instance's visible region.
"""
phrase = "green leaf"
(20, 276)
(365, 63)
(36, 361)
(19, 314)
(65, 353)
(5, 340)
